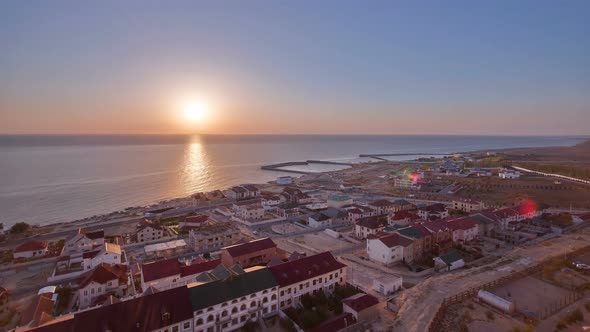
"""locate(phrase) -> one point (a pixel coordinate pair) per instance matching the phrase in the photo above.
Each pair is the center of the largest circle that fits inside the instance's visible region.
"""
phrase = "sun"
(195, 111)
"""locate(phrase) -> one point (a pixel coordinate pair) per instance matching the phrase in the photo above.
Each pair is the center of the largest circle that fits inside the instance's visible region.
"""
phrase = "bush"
(19, 228)
(287, 325)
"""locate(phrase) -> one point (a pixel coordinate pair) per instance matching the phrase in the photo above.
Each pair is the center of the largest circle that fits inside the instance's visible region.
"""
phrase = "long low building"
(220, 305)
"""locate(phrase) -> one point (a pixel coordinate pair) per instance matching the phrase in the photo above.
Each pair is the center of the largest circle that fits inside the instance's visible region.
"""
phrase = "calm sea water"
(48, 179)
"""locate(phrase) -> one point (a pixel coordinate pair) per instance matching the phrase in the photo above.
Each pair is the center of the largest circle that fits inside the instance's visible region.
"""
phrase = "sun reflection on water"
(196, 170)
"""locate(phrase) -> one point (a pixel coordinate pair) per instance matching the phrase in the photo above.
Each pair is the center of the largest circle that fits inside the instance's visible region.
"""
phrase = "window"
(174, 328)
(252, 304)
(283, 292)
(252, 296)
(224, 313)
(199, 322)
(273, 297)
(210, 318)
(243, 307)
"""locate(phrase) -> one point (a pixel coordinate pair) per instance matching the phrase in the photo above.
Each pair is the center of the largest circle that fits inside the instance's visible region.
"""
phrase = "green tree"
(19, 228)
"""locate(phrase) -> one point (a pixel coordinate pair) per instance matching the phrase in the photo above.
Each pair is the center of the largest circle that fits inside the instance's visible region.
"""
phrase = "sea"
(47, 179)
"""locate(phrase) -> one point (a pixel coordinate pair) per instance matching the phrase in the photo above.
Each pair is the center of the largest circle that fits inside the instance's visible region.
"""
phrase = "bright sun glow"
(195, 111)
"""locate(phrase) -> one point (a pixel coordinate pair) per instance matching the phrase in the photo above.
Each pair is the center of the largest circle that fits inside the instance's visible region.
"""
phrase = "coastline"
(179, 202)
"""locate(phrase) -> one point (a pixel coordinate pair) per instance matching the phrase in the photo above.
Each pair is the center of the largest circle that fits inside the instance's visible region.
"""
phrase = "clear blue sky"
(464, 67)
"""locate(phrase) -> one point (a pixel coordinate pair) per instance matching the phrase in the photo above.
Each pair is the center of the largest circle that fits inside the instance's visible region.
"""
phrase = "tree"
(19, 228)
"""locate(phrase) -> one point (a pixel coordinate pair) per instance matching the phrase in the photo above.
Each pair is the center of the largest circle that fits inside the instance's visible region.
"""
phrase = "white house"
(391, 248)
(109, 253)
(307, 275)
(253, 211)
(464, 229)
(433, 211)
(104, 280)
(383, 206)
(271, 202)
(388, 284)
(370, 226)
(31, 249)
(149, 231)
(467, 205)
(84, 241)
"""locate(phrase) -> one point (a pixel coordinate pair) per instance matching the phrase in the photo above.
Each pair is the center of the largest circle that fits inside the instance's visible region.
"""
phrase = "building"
(169, 273)
(251, 191)
(236, 193)
(319, 220)
(387, 285)
(509, 174)
(192, 222)
(103, 281)
(450, 261)
(109, 253)
(382, 206)
(433, 211)
(213, 237)
(464, 229)
(468, 205)
(169, 310)
(254, 211)
(31, 249)
(227, 305)
(83, 240)
(370, 226)
(284, 180)
(442, 235)
(406, 183)
(307, 275)
(148, 231)
(361, 306)
(389, 249)
(402, 204)
(357, 211)
(485, 223)
(339, 201)
(270, 202)
(256, 252)
(303, 198)
(166, 249)
(402, 218)
(422, 240)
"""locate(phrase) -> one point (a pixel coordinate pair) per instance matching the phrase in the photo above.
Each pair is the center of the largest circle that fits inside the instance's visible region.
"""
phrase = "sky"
(295, 67)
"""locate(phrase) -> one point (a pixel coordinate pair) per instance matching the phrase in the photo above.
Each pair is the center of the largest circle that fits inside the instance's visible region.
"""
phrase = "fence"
(436, 322)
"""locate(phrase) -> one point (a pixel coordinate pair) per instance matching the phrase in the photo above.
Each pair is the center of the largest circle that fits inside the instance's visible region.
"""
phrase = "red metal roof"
(373, 222)
(305, 268)
(250, 247)
(462, 223)
(196, 268)
(104, 273)
(393, 240)
(360, 303)
(404, 214)
(31, 246)
(160, 269)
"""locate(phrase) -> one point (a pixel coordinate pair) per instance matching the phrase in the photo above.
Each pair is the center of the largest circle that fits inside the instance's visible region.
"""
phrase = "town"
(442, 243)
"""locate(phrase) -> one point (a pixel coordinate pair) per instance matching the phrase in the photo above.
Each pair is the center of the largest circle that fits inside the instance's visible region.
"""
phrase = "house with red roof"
(382, 206)
(389, 249)
(104, 280)
(464, 229)
(442, 235)
(357, 211)
(433, 211)
(370, 226)
(193, 222)
(402, 218)
(255, 252)
(170, 273)
(307, 275)
(31, 249)
(361, 306)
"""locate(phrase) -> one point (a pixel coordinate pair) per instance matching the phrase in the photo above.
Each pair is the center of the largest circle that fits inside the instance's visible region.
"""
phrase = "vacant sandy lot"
(530, 293)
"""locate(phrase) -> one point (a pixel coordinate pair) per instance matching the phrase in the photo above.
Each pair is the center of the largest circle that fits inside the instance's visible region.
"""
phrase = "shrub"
(19, 228)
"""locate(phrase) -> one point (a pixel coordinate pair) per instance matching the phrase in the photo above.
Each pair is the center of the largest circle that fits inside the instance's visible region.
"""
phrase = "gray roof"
(216, 292)
(481, 219)
(450, 257)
